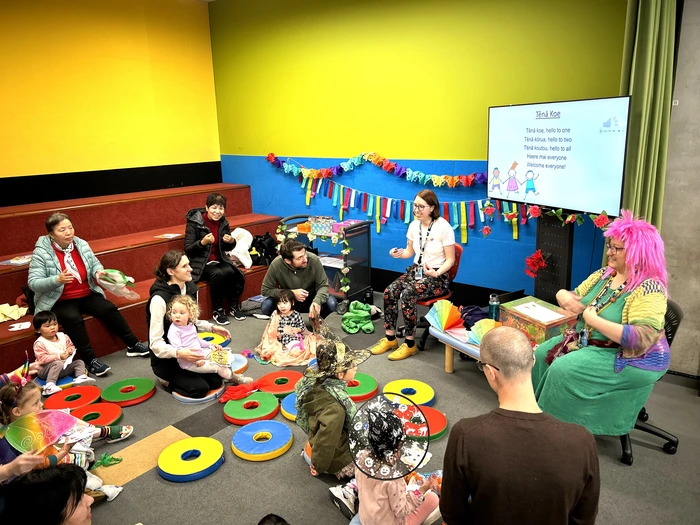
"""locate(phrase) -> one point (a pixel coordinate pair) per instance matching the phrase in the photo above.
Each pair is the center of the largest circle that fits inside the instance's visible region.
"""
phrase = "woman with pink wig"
(601, 375)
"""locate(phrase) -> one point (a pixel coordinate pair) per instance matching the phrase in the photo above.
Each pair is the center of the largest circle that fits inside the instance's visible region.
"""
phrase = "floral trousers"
(408, 290)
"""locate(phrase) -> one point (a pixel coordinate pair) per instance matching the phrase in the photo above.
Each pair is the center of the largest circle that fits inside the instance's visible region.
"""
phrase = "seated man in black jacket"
(207, 241)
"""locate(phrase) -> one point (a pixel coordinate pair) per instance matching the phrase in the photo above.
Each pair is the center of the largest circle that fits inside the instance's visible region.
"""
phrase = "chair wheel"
(670, 448)
(627, 459)
(643, 416)
(463, 357)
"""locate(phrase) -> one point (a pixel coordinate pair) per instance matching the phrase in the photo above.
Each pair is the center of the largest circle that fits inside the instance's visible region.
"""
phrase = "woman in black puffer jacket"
(207, 241)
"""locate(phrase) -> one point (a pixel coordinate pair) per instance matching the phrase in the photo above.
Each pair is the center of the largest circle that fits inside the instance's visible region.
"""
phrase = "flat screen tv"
(568, 155)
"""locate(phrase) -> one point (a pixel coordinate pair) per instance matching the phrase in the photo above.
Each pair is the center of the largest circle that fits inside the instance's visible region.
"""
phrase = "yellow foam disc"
(170, 460)
(417, 391)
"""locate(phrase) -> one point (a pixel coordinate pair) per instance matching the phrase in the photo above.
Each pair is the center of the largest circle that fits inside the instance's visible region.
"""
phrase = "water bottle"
(494, 307)
(369, 296)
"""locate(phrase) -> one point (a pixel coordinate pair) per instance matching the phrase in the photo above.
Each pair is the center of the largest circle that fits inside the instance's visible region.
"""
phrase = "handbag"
(569, 343)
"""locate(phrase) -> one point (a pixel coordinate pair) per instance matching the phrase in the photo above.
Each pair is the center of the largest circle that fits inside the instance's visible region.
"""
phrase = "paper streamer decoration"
(463, 229)
(446, 317)
(452, 181)
(35, 432)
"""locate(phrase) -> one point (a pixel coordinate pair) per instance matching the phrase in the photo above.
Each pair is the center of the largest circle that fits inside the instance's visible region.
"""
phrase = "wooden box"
(538, 330)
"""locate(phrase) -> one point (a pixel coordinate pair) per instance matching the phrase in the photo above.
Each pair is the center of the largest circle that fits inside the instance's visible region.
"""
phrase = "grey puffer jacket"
(44, 269)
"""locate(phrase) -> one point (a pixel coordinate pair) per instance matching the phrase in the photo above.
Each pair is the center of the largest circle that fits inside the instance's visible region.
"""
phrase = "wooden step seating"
(135, 250)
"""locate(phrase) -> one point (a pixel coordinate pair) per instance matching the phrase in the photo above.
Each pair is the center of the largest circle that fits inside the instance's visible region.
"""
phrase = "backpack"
(263, 249)
(470, 315)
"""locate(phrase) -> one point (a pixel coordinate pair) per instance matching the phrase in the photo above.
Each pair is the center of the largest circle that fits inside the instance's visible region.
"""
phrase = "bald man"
(517, 464)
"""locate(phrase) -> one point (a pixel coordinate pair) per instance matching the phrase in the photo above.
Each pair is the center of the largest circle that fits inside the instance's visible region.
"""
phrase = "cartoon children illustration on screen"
(513, 182)
(530, 178)
(496, 181)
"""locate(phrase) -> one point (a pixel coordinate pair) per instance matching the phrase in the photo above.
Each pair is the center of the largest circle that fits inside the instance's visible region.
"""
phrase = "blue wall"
(496, 262)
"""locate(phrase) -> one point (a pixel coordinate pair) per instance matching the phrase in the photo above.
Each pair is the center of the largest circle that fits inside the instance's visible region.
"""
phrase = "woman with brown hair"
(431, 244)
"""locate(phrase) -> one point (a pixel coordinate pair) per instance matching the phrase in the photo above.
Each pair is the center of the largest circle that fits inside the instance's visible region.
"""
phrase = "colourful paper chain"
(451, 181)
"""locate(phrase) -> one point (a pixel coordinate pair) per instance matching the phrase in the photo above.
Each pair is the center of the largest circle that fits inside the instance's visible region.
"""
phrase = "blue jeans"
(355, 520)
(269, 305)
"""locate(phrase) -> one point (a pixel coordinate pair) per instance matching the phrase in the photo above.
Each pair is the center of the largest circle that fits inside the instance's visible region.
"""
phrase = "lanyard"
(420, 240)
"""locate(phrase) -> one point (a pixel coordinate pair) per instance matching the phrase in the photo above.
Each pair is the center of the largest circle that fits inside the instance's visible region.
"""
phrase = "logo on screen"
(611, 126)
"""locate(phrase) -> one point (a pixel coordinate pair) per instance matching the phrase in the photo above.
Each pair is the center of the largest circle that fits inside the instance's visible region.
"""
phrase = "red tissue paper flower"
(486, 230)
(601, 221)
(270, 157)
(571, 218)
(535, 263)
(511, 216)
(489, 210)
(534, 211)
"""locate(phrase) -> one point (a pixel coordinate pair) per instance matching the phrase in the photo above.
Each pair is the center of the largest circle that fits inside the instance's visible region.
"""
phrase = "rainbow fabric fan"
(480, 328)
(446, 317)
(35, 432)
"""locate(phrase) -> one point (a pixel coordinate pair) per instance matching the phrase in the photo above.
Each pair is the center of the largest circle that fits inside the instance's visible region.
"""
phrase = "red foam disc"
(280, 383)
(86, 395)
(136, 400)
(107, 414)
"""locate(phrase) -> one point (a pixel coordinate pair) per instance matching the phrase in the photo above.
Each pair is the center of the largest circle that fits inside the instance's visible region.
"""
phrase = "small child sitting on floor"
(182, 335)
(324, 409)
(55, 353)
(17, 400)
(384, 456)
(286, 341)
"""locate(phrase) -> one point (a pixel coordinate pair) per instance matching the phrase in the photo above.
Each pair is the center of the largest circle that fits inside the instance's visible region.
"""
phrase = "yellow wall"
(405, 78)
(99, 84)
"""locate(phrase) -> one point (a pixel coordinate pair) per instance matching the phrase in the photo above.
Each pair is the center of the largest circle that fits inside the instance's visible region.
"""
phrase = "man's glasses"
(481, 366)
(613, 249)
(419, 207)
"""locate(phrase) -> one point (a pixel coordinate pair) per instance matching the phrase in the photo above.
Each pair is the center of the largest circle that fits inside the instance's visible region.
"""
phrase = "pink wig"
(644, 249)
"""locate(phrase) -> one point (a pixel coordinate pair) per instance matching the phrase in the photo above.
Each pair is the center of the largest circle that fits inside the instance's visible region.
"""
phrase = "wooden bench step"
(14, 344)
(116, 215)
(135, 254)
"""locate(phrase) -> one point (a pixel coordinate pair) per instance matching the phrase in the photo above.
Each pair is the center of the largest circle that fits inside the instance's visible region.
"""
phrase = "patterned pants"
(408, 290)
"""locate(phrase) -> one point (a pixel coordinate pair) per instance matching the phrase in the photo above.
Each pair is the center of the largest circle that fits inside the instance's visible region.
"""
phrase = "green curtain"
(647, 75)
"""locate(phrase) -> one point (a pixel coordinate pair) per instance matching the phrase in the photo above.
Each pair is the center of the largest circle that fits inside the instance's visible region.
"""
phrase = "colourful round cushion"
(190, 459)
(262, 440)
(99, 414)
(280, 383)
(129, 392)
(255, 407)
(214, 339)
(64, 382)
(239, 364)
(288, 408)
(437, 422)
(211, 395)
(417, 391)
(73, 397)
(362, 387)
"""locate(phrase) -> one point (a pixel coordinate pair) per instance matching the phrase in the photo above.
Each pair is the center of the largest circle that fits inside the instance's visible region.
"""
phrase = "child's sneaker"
(83, 379)
(111, 491)
(119, 433)
(240, 380)
(343, 498)
(50, 388)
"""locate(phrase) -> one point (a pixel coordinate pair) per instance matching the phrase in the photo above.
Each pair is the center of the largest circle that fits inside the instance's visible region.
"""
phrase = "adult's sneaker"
(343, 498)
(97, 368)
(237, 314)
(138, 350)
(220, 317)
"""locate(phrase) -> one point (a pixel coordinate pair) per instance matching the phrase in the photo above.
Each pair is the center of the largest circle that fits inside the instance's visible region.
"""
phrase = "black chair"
(673, 318)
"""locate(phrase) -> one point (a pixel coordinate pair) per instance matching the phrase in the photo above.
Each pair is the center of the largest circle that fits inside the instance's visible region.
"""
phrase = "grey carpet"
(658, 488)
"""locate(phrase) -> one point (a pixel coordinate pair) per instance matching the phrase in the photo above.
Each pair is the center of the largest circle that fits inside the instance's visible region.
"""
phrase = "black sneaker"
(237, 314)
(220, 317)
(138, 350)
(98, 369)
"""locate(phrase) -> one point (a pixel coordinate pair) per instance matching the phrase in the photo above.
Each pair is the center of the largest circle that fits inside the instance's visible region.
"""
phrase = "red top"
(73, 290)
(214, 228)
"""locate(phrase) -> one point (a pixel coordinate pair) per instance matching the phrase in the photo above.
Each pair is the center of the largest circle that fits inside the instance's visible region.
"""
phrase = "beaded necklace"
(600, 306)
